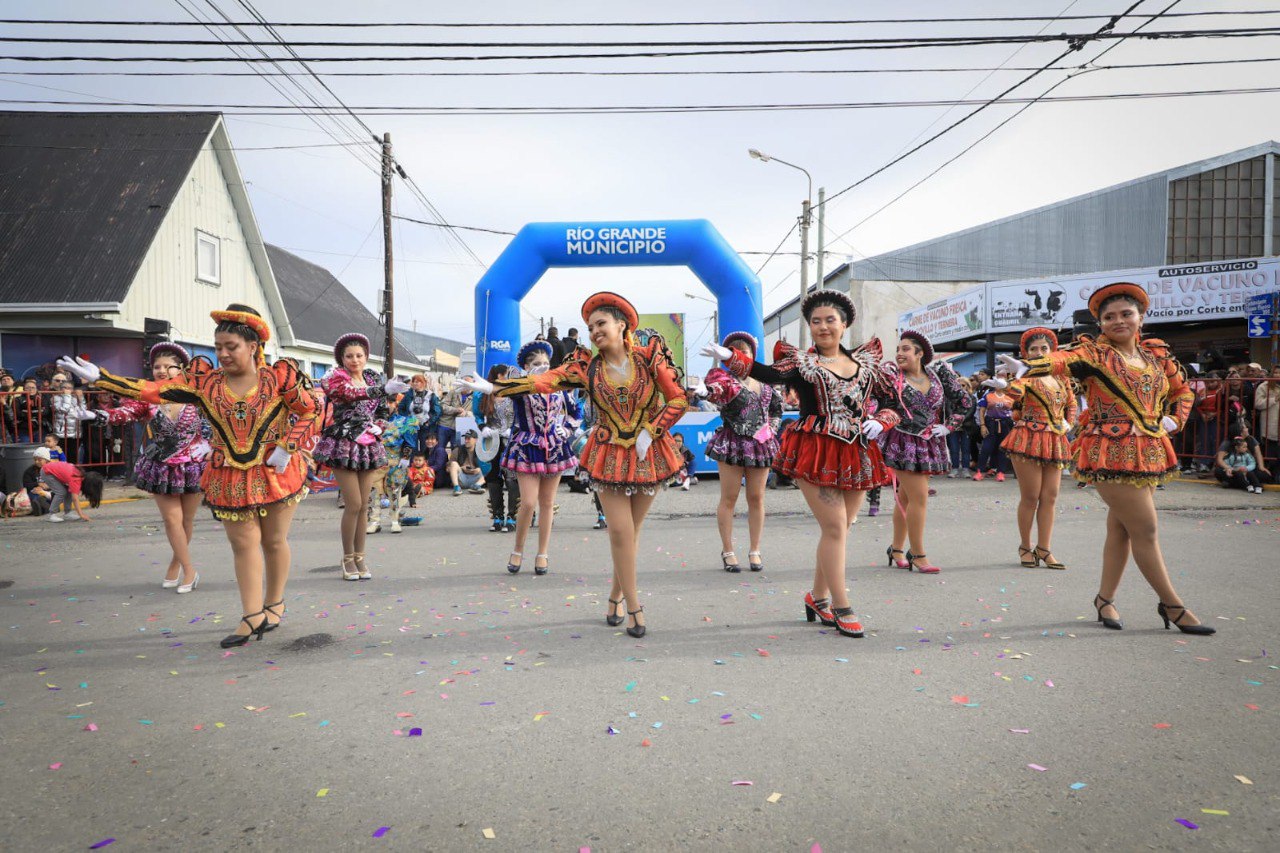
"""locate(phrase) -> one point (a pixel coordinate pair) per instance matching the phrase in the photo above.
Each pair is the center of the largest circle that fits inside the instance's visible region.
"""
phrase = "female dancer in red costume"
(830, 451)
(1137, 395)
(638, 396)
(1044, 411)
(255, 476)
(172, 461)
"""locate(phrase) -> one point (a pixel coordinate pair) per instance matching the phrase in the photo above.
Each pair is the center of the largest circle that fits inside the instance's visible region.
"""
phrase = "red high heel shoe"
(896, 563)
(847, 622)
(818, 608)
(926, 569)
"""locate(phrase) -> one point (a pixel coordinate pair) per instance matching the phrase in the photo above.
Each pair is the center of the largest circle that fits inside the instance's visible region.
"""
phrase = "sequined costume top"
(1041, 406)
(244, 428)
(168, 440)
(830, 404)
(1123, 399)
(945, 403)
(747, 413)
(354, 408)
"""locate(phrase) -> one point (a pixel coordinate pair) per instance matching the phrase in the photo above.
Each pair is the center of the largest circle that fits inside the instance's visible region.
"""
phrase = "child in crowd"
(55, 452)
(67, 483)
(684, 477)
(1241, 468)
(422, 479)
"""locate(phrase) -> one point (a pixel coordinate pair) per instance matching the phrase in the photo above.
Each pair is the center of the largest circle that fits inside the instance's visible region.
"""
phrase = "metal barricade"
(28, 418)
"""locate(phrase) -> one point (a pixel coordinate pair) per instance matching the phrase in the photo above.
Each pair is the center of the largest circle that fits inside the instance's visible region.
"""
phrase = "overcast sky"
(500, 172)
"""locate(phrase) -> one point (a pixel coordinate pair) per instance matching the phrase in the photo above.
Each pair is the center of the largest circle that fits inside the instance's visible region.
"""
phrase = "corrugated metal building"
(1215, 209)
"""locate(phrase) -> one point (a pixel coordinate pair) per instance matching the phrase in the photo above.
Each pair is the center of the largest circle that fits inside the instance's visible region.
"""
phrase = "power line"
(779, 44)
(1071, 48)
(784, 239)
(448, 225)
(388, 110)
(703, 73)
(600, 24)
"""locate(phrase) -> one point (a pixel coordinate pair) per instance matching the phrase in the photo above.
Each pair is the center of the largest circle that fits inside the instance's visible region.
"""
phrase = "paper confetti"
(103, 843)
(381, 831)
(1215, 811)
(1188, 824)
(57, 765)
(323, 792)
(1244, 780)
(488, 833)
(742, 783)
(1076, 786)
(773, 798)
(1037, 768)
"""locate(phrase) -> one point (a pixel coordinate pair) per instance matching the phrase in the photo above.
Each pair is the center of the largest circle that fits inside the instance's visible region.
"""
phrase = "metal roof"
(320, 309)
(1118, 227)
(424, 344)
(82, 196)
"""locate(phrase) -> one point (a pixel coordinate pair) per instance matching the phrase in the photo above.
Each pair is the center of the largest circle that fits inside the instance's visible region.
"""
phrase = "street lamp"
(715, 316)
(804, 232)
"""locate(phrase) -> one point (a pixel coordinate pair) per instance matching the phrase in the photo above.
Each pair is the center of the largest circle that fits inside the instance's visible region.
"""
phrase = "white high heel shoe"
(187, 587)
(170, 584)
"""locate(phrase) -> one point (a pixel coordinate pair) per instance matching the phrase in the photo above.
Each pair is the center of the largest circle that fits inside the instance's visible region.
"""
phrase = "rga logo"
(500, 346)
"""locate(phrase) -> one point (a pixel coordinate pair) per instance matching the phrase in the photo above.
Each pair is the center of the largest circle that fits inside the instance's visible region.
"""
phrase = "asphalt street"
(446, 705)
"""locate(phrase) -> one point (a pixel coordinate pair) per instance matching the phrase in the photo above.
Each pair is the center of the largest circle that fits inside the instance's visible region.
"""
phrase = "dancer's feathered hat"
(1038, 332)
(1118, 288)
(827, 296)
(605, 299)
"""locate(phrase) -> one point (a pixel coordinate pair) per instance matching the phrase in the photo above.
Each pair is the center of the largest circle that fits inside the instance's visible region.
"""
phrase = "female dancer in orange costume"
(255, 476)
(637, 395)
(1044, 411)
(1137, 395)
(830, 451)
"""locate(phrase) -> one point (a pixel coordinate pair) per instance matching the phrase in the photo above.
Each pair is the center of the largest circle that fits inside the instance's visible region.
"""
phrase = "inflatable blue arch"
(539, 246)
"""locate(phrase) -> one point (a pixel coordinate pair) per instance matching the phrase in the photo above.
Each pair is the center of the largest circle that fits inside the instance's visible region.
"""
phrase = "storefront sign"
(1189, 293)
(954, 318)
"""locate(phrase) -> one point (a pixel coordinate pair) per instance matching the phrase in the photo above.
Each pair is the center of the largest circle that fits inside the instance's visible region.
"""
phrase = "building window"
(1217, 215)
(208, 258)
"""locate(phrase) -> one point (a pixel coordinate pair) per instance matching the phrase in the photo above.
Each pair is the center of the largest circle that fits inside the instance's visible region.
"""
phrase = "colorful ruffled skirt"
(524, 455)
(349, 454)
(740, 450)
(1110, 454)
(915, 454)
(611, 466)
(237, 494)
(1036, 443)
(826, 461)
(163, 478)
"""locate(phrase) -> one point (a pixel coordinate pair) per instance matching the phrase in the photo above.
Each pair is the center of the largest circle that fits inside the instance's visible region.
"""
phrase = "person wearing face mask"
(830, 451)
(1044, 412)
(255, 476)
(638, 396)
(538, 453)
(931, 404)
(1137, 395)
(351, 440)
(172, 461)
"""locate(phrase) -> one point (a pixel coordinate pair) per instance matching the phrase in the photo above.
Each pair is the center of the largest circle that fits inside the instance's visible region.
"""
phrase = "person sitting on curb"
(464, 467)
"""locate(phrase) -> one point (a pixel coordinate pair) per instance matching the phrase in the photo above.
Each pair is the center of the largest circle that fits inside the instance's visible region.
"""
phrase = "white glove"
(86, 415)
(395, 385)
(643, 441)
(1012, 365)
(938, 431)
(87, 371)
(1169, 424)
(200, 451)
(872, 429)
(700, 388)
(997, 383)
(404, 463)
(475, 383)
(485, 432)
(717, 352)
(279, 459)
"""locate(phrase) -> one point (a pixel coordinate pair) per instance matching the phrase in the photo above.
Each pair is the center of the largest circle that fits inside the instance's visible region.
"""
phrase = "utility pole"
(822, 235)
(388, 294)
(804, 270)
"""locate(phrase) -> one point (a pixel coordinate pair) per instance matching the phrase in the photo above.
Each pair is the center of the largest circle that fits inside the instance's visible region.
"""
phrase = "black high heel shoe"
(613, 620)
(541, 570)
(1163, 609)
(232, 640)
(514, 568)
(637, 630)
(729, 567)
(271, 608)
(1107, 621)
(890, 551)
